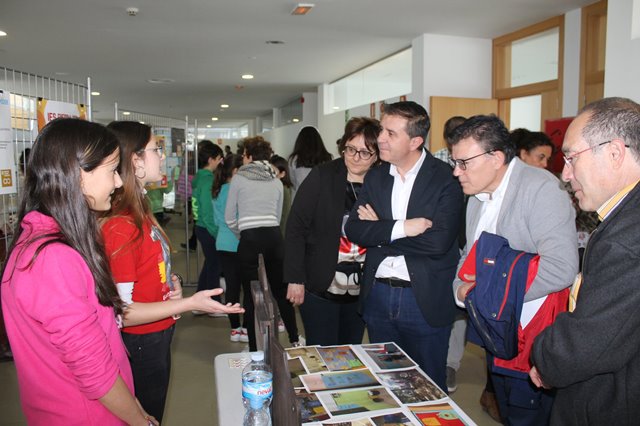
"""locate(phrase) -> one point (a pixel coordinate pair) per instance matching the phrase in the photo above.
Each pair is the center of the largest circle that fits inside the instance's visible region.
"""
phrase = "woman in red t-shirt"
(139, 255)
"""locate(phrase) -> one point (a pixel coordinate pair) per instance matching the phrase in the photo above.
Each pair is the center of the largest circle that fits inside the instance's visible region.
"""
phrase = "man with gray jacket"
(526, 206)
(591, 354)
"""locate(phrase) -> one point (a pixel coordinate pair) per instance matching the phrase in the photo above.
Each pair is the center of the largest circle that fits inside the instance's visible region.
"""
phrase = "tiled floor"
(192, 395)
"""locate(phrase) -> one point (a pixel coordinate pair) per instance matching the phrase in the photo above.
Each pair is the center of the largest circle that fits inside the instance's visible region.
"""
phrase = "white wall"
(622, 61)
(330, 126)
(571, 74)
(450, 66)
(441, 66)
(283, 138)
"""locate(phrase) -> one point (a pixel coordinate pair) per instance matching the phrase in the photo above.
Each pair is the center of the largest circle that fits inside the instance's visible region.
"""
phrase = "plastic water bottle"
(257, 390)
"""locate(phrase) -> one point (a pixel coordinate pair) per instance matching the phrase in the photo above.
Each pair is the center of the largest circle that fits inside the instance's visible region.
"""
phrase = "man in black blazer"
(408, 217)
(591, 354)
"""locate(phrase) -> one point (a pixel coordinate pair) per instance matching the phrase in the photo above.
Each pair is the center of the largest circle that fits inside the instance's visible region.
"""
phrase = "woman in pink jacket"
(61, 308)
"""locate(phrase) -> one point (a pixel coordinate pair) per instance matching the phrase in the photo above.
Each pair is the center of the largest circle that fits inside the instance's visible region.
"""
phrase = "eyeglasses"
(568, 159)
(462, 164)
(363, 153)
(158, 150)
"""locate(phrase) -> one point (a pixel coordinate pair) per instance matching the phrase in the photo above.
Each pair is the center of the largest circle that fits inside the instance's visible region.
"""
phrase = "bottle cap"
(257, 356)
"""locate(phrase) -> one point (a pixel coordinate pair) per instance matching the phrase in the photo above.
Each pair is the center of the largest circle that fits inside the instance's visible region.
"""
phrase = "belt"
(394, 282)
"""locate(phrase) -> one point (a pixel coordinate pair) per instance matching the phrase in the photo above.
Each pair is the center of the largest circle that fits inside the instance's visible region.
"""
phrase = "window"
(593, 46)
(387, 78)
(291, 113)
(527, 74)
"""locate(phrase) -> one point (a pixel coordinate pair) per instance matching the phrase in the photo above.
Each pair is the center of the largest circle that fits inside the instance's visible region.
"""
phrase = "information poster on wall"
(50, 110)
(7, 159)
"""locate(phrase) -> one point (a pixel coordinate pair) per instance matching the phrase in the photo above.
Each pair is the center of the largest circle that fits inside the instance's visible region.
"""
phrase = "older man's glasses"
(568, 159)
(363, 153)
(462, 163)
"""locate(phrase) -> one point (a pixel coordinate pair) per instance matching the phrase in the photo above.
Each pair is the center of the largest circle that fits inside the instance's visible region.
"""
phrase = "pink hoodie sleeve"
(61, 297)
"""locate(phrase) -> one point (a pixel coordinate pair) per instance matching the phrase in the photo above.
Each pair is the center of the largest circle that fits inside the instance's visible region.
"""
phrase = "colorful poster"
(338, 358)
(411, 386)
(392, 419)
(310, 407)
(5, 116)
(8, 173)
(338, 380)
(310, 357)
(387, 356)
(439, 414)
(296, 369)
(50, 110)
(556, 130)
(357, 401)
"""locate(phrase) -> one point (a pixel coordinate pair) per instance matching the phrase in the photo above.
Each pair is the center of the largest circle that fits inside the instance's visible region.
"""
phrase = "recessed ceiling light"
(336, 107)
(224, 105)
(3, 34)
(274, 42)
(247, 76)
(208, 126)
(161, 80)
(302, 8)
(126, 113)
(95, 93)
(214, 118)
(295, 120)
(141, 122)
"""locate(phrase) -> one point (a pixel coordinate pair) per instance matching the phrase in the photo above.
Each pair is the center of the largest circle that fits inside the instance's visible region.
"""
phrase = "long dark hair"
(309, 150)
(129, 200)
(52, 186)
(224, 172)
(283, 166)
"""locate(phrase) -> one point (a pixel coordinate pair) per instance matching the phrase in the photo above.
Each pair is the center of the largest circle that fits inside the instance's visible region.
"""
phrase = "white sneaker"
(236, 334)
(301, 342)
(281, 328)
(244, 337)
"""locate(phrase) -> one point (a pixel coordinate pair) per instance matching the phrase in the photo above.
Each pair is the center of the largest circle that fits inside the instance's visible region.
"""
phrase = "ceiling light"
(95, 93)
(141, 122)
(336, 107)
(214, 118)
(247, 77)
(161, 80)
(3, 34)
(208, 126)
(295, 120)
(224, 105)
(302, 8)
(126, 113)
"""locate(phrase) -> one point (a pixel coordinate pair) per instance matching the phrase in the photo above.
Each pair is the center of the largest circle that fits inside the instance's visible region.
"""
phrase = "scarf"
(258, 170)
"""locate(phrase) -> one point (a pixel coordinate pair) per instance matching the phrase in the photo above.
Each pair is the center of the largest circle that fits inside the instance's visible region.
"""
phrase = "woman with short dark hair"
(323, 268)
